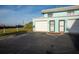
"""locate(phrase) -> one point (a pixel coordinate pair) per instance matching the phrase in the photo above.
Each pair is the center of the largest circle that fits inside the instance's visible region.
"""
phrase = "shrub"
(28, 27)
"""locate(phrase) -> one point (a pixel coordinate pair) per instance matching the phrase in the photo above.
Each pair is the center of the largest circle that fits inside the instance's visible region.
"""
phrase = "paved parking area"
(39, 43)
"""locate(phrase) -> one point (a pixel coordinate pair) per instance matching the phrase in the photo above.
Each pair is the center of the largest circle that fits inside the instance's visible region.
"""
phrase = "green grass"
(10, 31)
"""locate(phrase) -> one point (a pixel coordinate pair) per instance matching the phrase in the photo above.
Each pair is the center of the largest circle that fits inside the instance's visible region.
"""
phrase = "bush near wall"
(28, 27)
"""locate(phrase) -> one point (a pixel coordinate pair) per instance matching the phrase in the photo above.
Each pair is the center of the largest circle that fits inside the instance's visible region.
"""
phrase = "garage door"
(41, 26)
(73, 26)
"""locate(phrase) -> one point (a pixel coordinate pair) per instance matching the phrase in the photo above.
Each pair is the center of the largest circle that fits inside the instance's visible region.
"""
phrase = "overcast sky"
(16, 14)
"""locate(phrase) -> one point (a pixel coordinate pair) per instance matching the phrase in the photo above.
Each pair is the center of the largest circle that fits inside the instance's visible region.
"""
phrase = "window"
(70, 13)
(50, 14)
(59, 14)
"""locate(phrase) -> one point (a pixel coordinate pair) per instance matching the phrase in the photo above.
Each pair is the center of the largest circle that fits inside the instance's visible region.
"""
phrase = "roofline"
(61, 9)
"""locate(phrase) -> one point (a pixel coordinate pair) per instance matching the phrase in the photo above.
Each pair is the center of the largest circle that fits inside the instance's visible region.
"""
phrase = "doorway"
(52, 25)
(61, 25)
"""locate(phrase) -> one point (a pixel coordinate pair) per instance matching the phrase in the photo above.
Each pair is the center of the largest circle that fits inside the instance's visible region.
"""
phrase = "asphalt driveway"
(39, 43)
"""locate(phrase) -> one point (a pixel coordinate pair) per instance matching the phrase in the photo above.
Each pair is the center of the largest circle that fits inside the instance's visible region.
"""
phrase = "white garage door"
(73, 26)
(41, 26)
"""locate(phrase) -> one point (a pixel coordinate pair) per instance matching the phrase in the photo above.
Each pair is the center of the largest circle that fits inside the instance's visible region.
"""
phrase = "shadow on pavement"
(75, 40)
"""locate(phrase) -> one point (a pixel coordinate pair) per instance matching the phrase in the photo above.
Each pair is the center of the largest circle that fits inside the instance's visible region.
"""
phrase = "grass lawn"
(9, 31)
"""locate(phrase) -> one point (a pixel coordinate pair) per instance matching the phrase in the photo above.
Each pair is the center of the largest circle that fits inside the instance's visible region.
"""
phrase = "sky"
(22, 14)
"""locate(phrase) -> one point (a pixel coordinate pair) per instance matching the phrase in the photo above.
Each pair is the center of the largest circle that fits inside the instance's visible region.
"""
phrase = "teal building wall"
(59, 14)
(57, 18)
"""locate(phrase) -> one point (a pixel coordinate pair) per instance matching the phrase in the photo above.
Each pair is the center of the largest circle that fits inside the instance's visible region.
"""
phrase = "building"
(64, 19)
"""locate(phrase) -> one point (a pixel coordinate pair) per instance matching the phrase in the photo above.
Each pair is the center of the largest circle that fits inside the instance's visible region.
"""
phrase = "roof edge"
(60, 9)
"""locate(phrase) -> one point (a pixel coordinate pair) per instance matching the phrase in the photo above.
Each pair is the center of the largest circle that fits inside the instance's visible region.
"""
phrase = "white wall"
(73, 26)
(70, 23)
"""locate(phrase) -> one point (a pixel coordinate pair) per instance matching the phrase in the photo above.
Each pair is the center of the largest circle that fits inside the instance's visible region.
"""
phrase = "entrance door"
(61, 26)
(52, 24)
